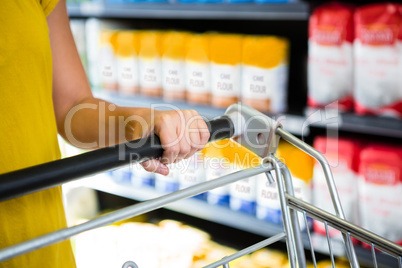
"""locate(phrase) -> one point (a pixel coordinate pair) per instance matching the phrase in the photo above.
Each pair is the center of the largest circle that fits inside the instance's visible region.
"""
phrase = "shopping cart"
(250, 128)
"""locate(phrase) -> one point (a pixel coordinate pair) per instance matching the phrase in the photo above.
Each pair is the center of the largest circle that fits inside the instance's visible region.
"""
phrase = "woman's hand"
(182, 133)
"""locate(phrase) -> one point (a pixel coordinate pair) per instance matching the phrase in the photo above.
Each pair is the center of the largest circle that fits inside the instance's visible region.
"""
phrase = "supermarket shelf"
(372, 125)
(227, 217)
(295, 124)
(278, 11)
(190, 206)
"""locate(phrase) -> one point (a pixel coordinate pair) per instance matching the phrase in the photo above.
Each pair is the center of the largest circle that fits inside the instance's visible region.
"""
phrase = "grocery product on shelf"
(377, 55)
(330, 57)
(78, 30)
(243, 192)
(173, 72)
(141, 177)
(265, 73)
(301, 168)
(342, 156)
(150, 63)
(170, 182)
(128, 46)
(226, 56)
(108, 67)
(194, 172)
(380, 190)
(198, 84)
(217, 165)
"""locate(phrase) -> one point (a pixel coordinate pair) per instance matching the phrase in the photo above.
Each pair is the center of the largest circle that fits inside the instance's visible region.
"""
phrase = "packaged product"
(265, 73)
(301, 169)
(93, 28)
(243, 192)
(128, 46)
(380, 190)
(150, 63)
(140, 177)
(342, 155)
(330, 57)
(173, 73)
(377, 60)
(193, 172)
(78, 31)
(226, 55)
(121, 175)
(217, 165)
(169, 183)
(108, 66)
(198, 84)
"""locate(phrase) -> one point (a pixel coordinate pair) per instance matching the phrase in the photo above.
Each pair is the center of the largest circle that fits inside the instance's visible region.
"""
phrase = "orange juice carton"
(377, 65)
(342, 155)
(330, 56)
(128, 46)
(198, 83)
(108, 66)
(226, 57)
(150, 65)
(173, 70)
(380, 190)
(265, 73)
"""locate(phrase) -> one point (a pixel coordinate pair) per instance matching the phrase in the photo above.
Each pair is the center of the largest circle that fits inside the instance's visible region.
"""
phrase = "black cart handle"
(47, 175)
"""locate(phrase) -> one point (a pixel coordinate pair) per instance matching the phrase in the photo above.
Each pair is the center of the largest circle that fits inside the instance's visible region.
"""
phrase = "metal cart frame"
(250, 128)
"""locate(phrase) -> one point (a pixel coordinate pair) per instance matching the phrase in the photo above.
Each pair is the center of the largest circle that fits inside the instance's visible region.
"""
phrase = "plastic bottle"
(198, 84)
(173, 70)
(150, 63)
(226, 56)
(265, 73)
(127, 61)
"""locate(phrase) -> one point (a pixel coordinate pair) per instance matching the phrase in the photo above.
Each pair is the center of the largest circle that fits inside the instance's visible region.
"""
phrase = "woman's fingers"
(156, 166)
(182, 133)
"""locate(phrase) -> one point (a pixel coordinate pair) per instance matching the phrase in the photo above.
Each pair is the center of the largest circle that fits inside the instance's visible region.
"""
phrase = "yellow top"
(198, 48)
(128, 43)
(235, 154)
(264, 51)
(226, 48)
(300, 164)
(174, 45)
(151, 44)
(28, 133)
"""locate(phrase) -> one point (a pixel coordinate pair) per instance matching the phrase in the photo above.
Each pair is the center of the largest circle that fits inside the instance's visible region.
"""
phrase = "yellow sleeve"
(48, 6)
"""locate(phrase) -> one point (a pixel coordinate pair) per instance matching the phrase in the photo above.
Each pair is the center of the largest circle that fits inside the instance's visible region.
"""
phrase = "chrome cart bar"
(128, 212)
(350, 251)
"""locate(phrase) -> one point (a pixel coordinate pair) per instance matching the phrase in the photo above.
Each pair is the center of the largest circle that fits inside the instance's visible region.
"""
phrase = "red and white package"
(342, 156)
(380, 191)
(330, 56)
(377, 60)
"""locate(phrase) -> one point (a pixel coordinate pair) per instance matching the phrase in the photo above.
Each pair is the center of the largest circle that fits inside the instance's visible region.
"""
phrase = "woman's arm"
(90, 123)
